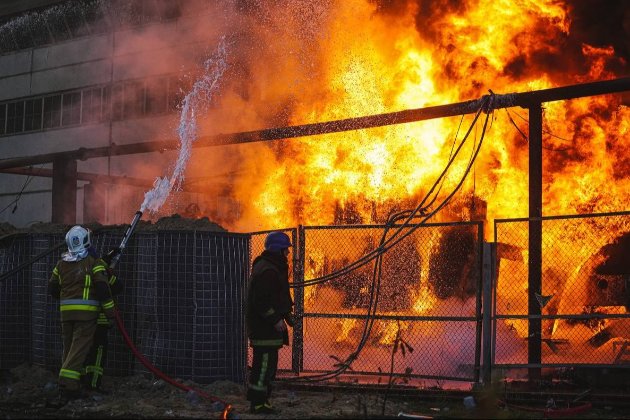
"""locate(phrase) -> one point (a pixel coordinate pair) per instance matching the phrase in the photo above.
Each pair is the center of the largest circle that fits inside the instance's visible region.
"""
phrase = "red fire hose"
(552, 412)
(227, 407)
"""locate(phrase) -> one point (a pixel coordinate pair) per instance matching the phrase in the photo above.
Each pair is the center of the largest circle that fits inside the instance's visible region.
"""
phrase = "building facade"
(78, 79)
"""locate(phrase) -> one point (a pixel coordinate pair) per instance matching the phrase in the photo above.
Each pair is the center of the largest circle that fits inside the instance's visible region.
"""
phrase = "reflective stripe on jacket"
(83, 289)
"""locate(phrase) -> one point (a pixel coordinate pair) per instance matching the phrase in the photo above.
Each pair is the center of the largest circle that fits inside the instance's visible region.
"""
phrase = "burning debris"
(454, 270)
(608, 274)
(398, 283)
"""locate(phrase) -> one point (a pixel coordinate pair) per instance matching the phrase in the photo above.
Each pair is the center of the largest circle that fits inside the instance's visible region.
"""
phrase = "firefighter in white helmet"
(79, 280)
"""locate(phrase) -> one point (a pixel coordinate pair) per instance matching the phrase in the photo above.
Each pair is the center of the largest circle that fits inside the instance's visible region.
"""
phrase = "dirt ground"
(30, 392)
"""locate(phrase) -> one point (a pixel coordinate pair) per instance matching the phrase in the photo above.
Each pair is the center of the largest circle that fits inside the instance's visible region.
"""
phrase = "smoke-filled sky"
(297, 61)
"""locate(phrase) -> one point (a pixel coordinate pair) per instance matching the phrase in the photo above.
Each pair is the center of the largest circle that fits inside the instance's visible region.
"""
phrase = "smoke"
(196, 102)
(297, 61)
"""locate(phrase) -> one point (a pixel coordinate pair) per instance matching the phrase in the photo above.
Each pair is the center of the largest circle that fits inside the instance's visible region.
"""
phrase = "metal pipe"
(534, 343)
(524, 99)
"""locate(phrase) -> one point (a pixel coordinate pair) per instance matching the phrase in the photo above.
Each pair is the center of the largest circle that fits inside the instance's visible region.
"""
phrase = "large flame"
(327, 60)
(362, 57)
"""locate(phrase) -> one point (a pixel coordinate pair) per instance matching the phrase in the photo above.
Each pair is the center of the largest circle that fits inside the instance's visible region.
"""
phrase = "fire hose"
(224, 406)
(549, 412)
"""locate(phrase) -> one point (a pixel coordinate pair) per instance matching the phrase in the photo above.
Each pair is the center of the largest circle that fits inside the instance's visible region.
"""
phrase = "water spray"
(195, 101)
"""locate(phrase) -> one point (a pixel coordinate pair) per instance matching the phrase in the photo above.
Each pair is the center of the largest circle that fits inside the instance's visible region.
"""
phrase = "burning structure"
(105, 122)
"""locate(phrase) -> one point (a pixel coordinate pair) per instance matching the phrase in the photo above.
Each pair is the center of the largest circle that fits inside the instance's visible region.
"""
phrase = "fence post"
(535, 242)
(478, 299)
(489, 258)
(297, 349)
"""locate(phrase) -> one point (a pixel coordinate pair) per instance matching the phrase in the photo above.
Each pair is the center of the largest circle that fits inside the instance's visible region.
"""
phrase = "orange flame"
(368, 58)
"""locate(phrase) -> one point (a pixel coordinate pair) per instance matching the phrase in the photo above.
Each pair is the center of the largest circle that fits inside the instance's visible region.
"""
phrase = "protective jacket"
(83, 289)
(115, 287)
(268, 300)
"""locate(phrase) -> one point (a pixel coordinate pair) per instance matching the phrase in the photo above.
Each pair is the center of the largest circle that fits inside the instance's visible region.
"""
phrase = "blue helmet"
(277, 241)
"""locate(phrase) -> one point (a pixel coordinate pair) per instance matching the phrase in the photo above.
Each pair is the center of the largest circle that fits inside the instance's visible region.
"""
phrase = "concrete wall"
(78, 63)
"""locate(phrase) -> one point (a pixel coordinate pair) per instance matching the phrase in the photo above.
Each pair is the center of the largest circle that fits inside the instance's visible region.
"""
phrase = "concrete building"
(80, 75)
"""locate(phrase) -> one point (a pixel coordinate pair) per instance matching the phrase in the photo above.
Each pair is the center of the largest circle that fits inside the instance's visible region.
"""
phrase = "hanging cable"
(15, 201)
(544, 131)
(384, 246)
(486, 105)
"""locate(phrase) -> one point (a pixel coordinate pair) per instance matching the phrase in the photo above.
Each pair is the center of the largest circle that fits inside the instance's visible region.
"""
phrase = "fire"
(370, 58)
(346, 59)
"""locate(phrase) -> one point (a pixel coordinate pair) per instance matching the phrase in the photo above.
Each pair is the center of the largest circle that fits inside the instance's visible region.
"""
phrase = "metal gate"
(427, 298)
(580, 313)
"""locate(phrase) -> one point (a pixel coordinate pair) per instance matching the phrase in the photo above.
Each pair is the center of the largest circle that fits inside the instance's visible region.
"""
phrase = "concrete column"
(64, 191)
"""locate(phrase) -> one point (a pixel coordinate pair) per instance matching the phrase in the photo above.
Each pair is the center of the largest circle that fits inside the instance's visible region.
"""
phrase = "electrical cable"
(376, 278)
(15, 201)
(485, 105)
(544, 131)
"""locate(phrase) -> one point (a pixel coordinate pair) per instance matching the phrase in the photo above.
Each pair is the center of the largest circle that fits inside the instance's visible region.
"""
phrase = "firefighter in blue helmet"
(79, 281)
(269, 311)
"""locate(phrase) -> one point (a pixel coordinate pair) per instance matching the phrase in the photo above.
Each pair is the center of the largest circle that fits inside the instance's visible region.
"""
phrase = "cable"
(382, 248)
(485, 105)
(544, 131)
(15, 201)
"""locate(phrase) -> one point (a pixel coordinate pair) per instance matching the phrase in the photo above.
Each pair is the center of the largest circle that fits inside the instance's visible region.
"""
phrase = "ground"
(30, 392)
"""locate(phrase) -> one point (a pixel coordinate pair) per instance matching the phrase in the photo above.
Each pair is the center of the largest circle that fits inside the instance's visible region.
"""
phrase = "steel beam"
(349, 124)
(535, 239)
(191, 184)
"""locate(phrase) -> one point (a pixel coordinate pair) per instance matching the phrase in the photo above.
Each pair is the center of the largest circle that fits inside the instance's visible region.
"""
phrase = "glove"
(109, 257)
(280, 326)
(289, 319)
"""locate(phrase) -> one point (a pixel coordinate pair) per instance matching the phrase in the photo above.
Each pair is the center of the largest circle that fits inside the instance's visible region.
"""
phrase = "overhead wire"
(378, 258)
(526, 137)
(15, 201)
(409, 215)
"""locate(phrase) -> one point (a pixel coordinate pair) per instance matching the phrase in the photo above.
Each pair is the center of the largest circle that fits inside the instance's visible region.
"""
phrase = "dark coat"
(268, 300)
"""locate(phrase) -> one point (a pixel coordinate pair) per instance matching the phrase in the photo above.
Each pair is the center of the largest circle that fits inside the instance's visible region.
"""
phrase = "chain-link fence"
(577, 313)
(426, 298)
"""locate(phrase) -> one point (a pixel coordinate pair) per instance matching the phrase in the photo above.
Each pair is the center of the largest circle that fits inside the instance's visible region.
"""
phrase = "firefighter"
(269, 311)
(95, 360)
(79, 281)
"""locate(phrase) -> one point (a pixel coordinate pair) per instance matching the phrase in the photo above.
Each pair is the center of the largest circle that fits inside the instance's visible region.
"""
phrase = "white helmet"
(78, 240)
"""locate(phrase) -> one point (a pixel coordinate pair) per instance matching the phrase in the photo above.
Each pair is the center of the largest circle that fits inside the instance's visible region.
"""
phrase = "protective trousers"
(77, 340)
(264, 367)
(95, 359)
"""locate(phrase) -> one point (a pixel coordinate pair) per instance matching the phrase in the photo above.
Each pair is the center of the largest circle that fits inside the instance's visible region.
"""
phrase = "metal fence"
(184, 296)
(582, 316)
(428, 294)
(182, 303)
(15, 302)
(434, 260)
